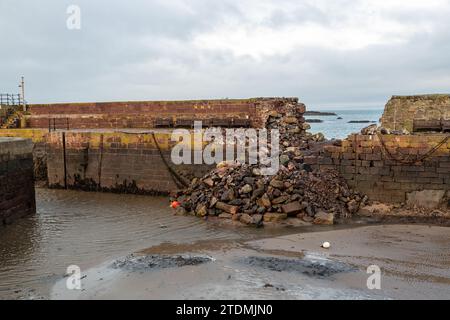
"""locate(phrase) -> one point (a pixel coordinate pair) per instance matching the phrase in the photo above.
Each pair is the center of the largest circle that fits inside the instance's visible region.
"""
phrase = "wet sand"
(414, 260)
(88, 229)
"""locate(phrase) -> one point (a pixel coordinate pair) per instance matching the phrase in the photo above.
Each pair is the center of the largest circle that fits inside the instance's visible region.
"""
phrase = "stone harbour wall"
(138, 163)
(392, 168)
(144, 114)
(401, 111)
(38, 137)
(17, 195)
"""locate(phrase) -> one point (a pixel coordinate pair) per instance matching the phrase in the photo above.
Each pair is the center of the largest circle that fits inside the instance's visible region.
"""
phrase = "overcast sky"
(328, 53)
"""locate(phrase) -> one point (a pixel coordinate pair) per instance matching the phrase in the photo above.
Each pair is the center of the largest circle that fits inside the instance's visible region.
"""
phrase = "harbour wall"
(388, 168)
(393, 168)
(17, 194)
(149, 114)
(122, 162)
(413, 112)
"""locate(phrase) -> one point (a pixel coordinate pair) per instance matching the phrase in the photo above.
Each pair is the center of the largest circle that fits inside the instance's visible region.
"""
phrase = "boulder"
(324, 218)
(280, 200)
(277, 184)
(264, 201)
(227, 208)
(353, 206)
(293, 208)
(201, 210)
(246, 189)
(209, 182)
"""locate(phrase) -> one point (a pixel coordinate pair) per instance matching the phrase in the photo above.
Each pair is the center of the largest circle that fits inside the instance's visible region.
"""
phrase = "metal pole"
(22, 86)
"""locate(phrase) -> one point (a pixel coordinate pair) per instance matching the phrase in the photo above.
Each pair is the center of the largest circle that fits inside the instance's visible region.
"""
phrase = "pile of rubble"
(240, 192)
(292, 127)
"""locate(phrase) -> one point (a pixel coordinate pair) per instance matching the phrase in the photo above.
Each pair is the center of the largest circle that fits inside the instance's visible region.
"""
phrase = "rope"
(175, 177)
(414, 161)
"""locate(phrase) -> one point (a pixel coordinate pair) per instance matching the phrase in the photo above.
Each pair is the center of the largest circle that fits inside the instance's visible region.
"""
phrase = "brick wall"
(17, 196)
(401, 111)
(115, 162)
(389, 173)
(143, 114)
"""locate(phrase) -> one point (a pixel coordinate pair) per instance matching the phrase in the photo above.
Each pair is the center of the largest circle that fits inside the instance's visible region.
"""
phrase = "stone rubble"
(239, 192)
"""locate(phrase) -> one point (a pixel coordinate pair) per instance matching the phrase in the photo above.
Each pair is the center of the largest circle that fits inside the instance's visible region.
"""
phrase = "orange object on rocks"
(174, 204)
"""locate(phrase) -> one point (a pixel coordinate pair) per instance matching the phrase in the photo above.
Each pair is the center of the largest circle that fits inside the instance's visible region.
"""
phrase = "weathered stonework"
(138, 163)
(17, 195)
(145, 114)
(390, 167)
(38, 137)
(401, 111)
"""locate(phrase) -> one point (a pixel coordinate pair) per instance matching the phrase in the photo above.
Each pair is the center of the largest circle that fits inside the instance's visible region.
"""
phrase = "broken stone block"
(353, 206)
(246, 189)
(227, 208)
(324, 218)
(290, 120)
(277, 184)
(228, 195)
(209, 182)
(280, 200)
(264, 201)
(201, 210)
(293, 208)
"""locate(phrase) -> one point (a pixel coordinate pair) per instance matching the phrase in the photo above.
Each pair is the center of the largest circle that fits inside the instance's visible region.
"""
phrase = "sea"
(334, 128)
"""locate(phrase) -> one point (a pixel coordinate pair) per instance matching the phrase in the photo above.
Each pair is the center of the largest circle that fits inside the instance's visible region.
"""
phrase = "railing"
(11, 99)
(206, 123)
(9, 116)
(58, 124)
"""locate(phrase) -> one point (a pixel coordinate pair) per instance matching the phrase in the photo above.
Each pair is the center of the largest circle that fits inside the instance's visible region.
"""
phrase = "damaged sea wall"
(17, 195)
(137, 163)
(401, 111)
(393, 168)
(148, 114)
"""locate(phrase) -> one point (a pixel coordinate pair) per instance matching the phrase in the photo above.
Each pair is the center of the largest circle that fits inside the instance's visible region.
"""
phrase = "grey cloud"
(144, 50)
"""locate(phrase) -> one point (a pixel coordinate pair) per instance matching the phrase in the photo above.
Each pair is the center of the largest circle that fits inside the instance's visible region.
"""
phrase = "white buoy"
(326, 245)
